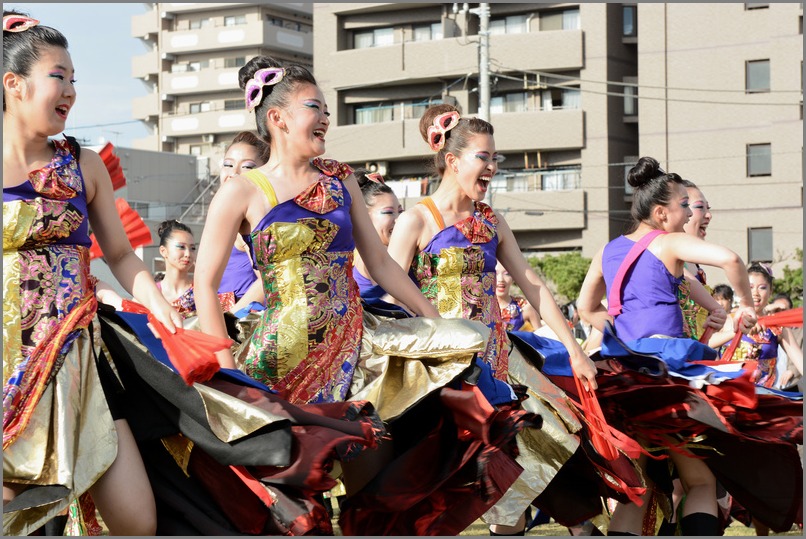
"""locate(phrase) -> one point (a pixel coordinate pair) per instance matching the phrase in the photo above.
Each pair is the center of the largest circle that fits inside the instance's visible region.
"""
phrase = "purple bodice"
(238, 275)
(649, 298)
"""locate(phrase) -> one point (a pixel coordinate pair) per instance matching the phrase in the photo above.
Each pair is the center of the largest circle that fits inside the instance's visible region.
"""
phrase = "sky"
(101, 47)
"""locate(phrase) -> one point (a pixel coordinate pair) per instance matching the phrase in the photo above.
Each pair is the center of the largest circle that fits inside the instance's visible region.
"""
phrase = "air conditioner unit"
(168, 56)
(209, 139)
(167, 97)
(378, 166)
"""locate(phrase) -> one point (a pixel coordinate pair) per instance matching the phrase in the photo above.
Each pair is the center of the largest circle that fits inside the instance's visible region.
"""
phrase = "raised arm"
(126, 266)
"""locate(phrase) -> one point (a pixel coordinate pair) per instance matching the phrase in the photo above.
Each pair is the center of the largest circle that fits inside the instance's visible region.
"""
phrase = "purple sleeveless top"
(649, 298)
(238, 275)
(67, 168)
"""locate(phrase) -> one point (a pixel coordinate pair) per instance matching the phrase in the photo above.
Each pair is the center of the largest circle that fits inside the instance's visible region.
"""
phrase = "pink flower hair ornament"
(18, 23)
(437, 132)
(268, 76)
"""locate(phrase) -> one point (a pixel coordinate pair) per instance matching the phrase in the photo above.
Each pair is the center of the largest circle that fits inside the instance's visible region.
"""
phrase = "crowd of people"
(372, 355)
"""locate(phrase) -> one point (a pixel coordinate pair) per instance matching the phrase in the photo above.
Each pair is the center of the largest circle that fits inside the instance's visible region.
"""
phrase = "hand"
(584, 368)
(787, 377)
(166, 314)
(716, 318)
(745, 319)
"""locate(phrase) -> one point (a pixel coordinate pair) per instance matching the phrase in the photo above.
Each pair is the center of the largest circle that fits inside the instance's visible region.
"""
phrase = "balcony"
(261, 34)
(514, 131)
(204, 81)
(208, 123)
(146, 64)
(297, 8)
(554, 50)
(146, 107)
(547, 210)
(146, 24)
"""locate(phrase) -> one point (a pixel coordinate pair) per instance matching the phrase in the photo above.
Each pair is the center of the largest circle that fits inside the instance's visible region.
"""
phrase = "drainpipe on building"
(484, 61)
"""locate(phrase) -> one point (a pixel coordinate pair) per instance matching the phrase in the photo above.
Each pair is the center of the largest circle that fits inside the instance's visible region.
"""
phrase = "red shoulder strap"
(614, 298)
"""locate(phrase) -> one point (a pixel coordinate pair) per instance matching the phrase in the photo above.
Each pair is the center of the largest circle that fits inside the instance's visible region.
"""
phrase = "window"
(200, 23)
(560, 20)
(759, 244)
(234, 20)
(375, 113)
(195, 149)
(514, 24)
(757, 76)
(511, 102)
(198, 66)
(630, 97)
(415, 109)
(562, 179)
(629, 18)
(560, 98)
(234, 104)
(427, 32)
(195, 108)
(379, 37)
(759, 160)
(238, 61)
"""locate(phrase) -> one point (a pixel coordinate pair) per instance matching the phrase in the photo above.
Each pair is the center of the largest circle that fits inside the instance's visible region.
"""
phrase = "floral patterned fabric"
(307, 342)
(762, 348)
(456, 272)
(512, 315)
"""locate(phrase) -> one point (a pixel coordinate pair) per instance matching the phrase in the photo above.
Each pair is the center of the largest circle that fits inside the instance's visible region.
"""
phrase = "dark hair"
(761, 269)
(457, 139)
(723, 291)
(247, 137)
(370, 189)
(21, 50)
(277, 95)
(783, 295)
(651, 185)
(167, 228)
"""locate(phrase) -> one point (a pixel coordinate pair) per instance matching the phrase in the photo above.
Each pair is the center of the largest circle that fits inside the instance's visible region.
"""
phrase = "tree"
(792, 281)
(563, 273)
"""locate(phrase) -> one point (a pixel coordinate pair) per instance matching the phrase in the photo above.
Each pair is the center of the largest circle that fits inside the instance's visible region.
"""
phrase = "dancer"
(516, 312)
(240, 284)
(178, 250)
(761, 345)
(62, 438)
(451, 243)
(303, 217)
(384, 208)
(647, 305)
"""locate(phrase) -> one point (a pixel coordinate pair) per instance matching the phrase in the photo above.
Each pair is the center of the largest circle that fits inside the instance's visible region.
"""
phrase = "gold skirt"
(69, 443)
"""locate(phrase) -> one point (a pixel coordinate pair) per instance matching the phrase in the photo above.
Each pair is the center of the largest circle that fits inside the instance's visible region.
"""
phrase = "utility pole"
(484, 61)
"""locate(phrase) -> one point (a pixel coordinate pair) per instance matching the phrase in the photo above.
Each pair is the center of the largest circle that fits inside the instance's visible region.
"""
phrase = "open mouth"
(62, 111)
(320, 134)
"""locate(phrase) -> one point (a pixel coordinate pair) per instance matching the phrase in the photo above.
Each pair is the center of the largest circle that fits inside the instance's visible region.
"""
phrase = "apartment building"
(194, 50)
(578, 93)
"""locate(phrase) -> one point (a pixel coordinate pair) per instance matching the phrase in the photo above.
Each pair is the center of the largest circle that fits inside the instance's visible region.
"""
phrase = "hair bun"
(248, 71)
(644, 171)
(432, 112)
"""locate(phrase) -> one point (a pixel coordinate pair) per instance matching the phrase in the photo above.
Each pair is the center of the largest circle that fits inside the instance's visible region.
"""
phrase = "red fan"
(136, 230)
(112, 163)
(191, 352)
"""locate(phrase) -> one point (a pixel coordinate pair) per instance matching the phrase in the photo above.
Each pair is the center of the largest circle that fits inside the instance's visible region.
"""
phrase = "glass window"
(757, 76)
(372, 114)
(571, 19)
(238, 61)
(516, 102)
(516, 24)
(234, 104)
(630, 101)
(436, 30)
(496, 105)
(759, 160)
(572, 98)
(380, 37)
(233, 20)
(759, 244)
(551, 20)
(363, 40)
(497, 26)
(384, 37)
(199, 107)
(629, 21)
(422, 33)
(195, 149)
(199, 23)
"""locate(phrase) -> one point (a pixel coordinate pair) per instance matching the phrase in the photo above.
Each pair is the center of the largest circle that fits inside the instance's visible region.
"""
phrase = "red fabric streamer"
(136, 230)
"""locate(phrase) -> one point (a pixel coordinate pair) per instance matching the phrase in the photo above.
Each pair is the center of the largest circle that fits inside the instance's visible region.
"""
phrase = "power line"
(104, 125)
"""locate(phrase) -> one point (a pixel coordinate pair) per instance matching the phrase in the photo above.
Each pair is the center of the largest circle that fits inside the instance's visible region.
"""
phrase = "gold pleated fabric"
(403, 360)
(70, 440)
(542, 451)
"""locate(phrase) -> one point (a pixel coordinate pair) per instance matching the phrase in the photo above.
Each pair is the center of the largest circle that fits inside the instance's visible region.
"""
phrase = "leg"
(700, 511)
(628, 518)
(761, 529)
(123, 494)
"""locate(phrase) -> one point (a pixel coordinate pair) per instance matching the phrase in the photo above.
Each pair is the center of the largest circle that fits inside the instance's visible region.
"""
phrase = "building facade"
(578, 93)
(194, 51)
